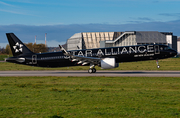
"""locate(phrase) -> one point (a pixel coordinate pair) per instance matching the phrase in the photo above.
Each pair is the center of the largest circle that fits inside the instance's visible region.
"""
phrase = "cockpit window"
(167, 48)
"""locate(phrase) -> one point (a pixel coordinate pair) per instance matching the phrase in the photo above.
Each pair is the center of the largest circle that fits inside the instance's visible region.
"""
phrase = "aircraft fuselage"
(121, 54)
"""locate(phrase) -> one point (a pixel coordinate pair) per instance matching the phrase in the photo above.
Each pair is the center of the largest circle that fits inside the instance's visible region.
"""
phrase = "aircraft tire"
(93, 70)
(90, 71)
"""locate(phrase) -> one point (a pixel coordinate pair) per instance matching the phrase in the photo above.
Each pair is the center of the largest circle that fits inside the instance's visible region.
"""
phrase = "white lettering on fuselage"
(124, 50)
(144, 55)
(142, 49)
(74, 52)
(150, 48)
(107, 53)
(117, 50)
(88, 53)
(133, 49)
(100, 52)
(137, 51)
(80, 53)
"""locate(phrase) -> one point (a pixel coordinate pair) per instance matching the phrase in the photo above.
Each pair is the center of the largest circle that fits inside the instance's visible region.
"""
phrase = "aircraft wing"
(81, 59)
(85, 60)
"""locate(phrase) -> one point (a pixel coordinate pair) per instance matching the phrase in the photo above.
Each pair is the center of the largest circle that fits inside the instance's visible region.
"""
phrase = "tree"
(8, 50)
(36, 48)
(30, 46)
(39, 48)
(2, 51)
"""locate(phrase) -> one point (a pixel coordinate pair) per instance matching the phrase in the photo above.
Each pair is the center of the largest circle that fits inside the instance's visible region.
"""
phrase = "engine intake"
(108, 63)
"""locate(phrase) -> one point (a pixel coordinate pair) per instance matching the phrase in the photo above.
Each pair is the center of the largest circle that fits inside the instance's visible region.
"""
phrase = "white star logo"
(18, 47)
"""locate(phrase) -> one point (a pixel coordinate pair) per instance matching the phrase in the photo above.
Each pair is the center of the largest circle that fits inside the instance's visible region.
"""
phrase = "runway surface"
(98, 73)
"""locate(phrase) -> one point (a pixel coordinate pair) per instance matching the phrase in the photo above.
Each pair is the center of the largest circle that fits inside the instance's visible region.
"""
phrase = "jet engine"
(108, 63)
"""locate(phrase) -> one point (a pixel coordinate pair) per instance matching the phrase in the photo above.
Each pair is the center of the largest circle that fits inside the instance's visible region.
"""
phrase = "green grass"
(166, 64)
(90, 97)
(3, 56)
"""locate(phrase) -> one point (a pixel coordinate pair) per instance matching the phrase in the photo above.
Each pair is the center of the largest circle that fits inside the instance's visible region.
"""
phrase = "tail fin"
(17, 47)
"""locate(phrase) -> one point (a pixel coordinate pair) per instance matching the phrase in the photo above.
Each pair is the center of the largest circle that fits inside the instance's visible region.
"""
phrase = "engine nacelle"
(108, 63)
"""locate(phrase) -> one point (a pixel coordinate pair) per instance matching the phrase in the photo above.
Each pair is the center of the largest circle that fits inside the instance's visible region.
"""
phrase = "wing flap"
(86, 60)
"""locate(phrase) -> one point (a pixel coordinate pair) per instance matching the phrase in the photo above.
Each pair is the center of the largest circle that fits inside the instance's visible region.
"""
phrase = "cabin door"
(34, 59)
(157, 51)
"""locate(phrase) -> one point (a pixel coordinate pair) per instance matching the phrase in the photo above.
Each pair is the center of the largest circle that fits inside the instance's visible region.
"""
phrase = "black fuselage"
(121, 54)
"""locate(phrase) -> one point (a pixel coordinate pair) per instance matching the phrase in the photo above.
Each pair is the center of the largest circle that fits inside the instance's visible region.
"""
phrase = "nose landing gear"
(158, 66)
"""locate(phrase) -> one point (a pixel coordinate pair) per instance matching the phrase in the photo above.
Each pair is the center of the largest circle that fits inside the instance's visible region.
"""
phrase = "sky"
(60, 19)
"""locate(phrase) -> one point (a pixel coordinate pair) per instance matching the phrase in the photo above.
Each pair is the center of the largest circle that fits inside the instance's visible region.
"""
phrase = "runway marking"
(98, 73)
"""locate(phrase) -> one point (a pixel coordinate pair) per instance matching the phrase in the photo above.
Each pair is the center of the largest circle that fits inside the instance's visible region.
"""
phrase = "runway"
(98, 73)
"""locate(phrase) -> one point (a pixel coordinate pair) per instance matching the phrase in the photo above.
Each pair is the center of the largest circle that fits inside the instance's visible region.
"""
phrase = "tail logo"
(18, 47)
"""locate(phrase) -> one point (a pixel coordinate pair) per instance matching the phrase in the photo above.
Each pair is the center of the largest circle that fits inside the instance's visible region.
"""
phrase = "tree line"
(36, 48)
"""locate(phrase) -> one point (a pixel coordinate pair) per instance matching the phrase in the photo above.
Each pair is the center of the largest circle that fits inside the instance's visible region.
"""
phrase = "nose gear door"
(34, 59)
(157, 51)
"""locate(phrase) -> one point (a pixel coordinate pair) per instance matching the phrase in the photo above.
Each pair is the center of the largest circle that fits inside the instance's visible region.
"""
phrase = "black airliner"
(106, 58)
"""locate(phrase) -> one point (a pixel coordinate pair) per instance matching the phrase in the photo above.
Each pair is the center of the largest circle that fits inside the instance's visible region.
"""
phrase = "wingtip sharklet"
(63, 50)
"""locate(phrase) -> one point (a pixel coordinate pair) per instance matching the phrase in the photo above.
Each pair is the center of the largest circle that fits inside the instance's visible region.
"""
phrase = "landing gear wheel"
(93, 70)
(90, 71)
(158, 66)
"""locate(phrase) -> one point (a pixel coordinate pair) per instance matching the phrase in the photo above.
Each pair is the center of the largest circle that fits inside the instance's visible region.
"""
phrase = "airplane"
(106, 58)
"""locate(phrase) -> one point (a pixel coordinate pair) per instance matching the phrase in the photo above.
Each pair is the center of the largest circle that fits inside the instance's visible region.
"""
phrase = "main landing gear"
(92, 69)
(158, 66)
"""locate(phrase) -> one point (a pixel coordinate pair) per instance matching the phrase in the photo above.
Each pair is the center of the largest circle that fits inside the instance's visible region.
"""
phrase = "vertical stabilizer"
(17, 47)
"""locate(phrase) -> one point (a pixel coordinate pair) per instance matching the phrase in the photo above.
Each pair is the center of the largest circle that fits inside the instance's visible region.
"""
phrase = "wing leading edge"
(81, 60)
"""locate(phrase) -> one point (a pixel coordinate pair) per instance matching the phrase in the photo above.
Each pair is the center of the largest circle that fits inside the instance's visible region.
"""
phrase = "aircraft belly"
(55, 63)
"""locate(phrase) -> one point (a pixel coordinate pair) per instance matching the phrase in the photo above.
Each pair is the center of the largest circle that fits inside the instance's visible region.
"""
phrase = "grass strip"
(81, 97)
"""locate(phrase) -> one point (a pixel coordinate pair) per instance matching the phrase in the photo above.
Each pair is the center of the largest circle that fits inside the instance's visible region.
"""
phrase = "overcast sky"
(60, 19)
